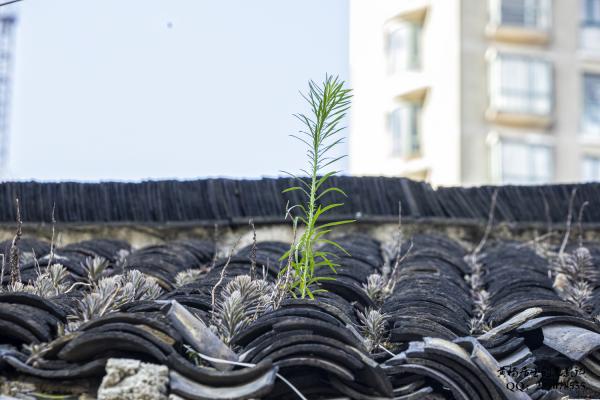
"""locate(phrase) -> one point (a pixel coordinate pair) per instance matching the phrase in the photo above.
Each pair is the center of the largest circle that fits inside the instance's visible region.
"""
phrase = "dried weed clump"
(110, 293)
(575, 274)
(240, 303)
(373, 327)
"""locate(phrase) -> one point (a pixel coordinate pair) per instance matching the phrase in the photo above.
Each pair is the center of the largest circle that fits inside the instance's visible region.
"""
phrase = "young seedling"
(328, 103)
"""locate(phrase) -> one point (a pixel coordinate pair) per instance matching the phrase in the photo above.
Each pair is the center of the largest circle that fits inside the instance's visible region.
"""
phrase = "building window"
(590, 169)
(590, 25)
(525, 163)
(590, 15)
(532, 14)
(521, 84)
(403, 46)
(591, 104)
(403, 125)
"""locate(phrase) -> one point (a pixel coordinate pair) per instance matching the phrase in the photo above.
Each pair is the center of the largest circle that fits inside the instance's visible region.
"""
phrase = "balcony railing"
(526, 21)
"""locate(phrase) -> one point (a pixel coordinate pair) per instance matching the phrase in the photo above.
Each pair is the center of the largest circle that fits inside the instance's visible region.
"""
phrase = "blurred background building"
(473, 91)
(7, 40)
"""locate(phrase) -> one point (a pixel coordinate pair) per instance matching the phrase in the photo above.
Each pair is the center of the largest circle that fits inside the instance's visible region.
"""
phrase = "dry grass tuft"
(13, 253)
(375, 288)
(189, 276)
(111, 293)
(574, 275)
(380, 286)
(374, 329)
(241, 301)
(95, 268)
(479, 295)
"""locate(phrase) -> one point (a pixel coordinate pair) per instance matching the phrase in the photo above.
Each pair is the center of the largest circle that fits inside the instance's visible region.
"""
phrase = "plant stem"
(309, 228)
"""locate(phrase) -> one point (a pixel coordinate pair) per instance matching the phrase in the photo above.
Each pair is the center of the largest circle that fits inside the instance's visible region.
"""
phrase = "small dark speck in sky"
(169, 25)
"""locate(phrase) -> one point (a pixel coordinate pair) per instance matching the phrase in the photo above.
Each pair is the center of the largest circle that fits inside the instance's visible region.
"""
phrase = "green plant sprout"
(328, 103)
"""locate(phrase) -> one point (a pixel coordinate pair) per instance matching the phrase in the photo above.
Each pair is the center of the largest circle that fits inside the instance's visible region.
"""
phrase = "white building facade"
(476, 91)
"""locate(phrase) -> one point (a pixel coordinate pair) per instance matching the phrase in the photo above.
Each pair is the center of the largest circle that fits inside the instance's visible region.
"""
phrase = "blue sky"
(137, 89)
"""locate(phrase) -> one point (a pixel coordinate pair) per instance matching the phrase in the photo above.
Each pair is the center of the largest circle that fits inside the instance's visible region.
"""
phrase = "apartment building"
(476, 91)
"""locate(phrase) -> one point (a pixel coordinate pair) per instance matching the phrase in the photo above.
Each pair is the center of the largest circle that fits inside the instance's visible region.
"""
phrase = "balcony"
(405, 130)
(403, 41)
(520, 91)
(518, 119)
(520, 21)
(516, 34)
(521, 159)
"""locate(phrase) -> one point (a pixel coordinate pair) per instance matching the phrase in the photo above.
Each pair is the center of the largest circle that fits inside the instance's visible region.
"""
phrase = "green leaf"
(323, 278)
(331, 189)
(334, 244)
(321, 210)
(322, 253)
(319, 233)
(303, 220)
(324, 178)
(330, 264)
(291, 189)
(322, 264)
(295, 188)
(310, 294)
(300, 206)
(328, 163)
(285, 255)
(335, 223)
(297, 178)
